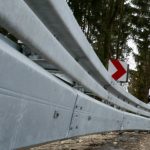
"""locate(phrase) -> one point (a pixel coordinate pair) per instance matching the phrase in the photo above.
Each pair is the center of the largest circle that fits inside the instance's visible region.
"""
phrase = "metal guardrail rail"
(35, 106)
(70, 66)
(58, 18)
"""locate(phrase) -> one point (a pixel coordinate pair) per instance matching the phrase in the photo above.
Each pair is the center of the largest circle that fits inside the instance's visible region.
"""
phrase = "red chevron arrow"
(120, 69)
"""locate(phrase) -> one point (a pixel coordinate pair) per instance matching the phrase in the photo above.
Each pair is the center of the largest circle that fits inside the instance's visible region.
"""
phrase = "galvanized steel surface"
(35, 106)
(58, 18)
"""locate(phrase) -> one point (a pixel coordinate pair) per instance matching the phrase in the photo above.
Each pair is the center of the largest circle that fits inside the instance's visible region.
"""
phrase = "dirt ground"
(109, 141)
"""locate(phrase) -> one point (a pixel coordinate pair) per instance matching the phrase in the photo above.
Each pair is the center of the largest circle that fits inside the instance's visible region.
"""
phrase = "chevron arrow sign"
(118, 70)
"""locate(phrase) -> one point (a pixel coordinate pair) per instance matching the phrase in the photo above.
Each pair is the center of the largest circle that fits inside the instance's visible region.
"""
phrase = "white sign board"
(118, 70)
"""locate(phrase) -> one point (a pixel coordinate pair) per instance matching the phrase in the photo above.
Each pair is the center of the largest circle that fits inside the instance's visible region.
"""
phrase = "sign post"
(149, 96)
(118, 70)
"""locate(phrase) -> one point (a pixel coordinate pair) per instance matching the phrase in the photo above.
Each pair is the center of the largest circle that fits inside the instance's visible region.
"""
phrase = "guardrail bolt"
(89, 118)
(56, 114)
(76, 127)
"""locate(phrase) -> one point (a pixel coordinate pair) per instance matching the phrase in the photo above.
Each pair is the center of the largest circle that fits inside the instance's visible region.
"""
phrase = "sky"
(130, 59)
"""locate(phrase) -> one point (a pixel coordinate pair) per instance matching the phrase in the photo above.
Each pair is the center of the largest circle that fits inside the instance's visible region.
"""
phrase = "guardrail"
(35, 106)
(65, 28)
